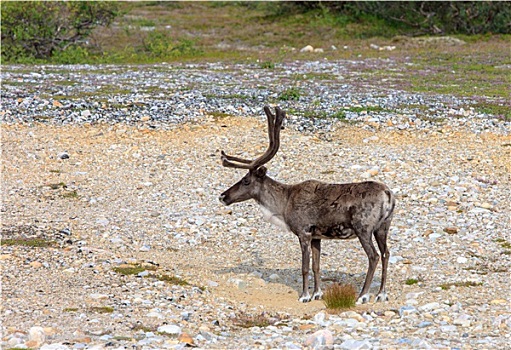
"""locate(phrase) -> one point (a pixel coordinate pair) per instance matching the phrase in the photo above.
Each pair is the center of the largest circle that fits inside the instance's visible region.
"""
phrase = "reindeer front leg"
(305, 245)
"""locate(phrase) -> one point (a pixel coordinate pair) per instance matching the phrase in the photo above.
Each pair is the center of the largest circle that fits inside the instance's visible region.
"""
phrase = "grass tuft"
(291, 94)
(338, 296)
(170, 279)
(411, 281)
(132, 269)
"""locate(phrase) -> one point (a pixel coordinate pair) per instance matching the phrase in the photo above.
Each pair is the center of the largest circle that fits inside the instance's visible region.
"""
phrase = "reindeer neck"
(274, 196)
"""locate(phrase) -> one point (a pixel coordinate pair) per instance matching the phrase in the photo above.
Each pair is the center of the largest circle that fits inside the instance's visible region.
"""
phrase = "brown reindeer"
(314, 210)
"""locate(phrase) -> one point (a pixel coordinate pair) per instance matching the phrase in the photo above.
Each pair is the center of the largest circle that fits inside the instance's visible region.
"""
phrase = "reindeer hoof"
(305, 298)
(381, 297)
(317, 295)
(363, 299)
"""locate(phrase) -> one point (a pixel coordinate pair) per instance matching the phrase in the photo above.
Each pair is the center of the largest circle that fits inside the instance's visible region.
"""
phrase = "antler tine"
(229, 162)
(274, 126)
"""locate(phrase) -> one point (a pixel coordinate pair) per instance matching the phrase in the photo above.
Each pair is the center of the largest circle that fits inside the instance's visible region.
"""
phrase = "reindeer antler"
(274, 126)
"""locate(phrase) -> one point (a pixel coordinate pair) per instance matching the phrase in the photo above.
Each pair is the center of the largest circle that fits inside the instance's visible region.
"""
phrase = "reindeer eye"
(245, 181)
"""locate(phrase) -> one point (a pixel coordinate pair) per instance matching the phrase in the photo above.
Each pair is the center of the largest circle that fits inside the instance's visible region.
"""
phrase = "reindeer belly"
(333, 232)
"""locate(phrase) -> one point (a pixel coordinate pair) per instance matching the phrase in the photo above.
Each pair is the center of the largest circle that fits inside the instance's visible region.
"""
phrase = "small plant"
(290, 94)
(339, 296)
(102, 309)
(70, 194)
(57, 186)
(70, 309)
(145, 329)
(132, 269)
(267, 65)
(249, 321)
(28, 242)
(503, 243)
(446, 286)
(170, 279)
(411, 281)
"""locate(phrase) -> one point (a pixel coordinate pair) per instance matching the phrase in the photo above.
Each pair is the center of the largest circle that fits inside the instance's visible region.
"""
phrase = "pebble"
(170, 329)
(320, 339)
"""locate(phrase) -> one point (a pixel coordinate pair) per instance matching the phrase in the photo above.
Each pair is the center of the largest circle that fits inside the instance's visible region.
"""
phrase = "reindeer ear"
(260, 172)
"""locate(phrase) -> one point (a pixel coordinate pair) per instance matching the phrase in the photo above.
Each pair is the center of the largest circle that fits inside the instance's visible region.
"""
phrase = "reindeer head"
(249, 186)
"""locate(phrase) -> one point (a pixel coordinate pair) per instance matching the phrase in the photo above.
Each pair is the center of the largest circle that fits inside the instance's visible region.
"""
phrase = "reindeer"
(314, 210)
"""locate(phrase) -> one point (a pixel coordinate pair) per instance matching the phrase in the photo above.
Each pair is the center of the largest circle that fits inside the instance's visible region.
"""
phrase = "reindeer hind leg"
(366, 239)
(380, 235)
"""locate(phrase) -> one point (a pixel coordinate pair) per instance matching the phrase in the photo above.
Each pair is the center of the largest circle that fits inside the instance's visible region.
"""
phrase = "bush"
(421, 17)
(39, 30)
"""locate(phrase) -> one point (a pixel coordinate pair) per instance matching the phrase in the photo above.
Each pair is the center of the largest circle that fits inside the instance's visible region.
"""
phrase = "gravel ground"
(119, 167)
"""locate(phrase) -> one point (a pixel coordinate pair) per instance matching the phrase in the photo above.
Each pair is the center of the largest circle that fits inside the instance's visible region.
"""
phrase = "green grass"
(70, 195)
(446, 286)
(411, 281)
(267, 65)
(173, 280)
(290, 94)
(132, 269)
(102, 309)
(338, 296)
(70, 309)
(56, 186)
(28, 242)
(341, 114)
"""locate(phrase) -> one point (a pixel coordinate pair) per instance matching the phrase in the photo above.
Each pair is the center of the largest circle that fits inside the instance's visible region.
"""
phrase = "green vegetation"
(155, 32)
(411, 281)
(503, 243)
(70, 194)
(70, 309)
(56, 186)
(146, 32)
(292, 93)
(102, 309)
(132, 269)
(418, 17)
(337, 296)
(40, 30)
(128, 269)
(446, 286)
(28, 242)
(267, 65)
(170, 279)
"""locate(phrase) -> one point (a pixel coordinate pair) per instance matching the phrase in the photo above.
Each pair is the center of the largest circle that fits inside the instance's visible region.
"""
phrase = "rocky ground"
(113, 237)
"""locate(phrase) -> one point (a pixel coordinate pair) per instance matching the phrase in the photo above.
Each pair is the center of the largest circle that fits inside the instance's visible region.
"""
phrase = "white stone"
(353, 344)
(36, 334)
(307, 48)
(170, 329)
(461, 260)
(55, 346)
(274, 277)
(430, 306)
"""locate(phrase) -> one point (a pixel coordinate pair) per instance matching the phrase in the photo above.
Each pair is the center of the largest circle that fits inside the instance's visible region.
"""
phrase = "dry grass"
(338, 296)
(244, 320)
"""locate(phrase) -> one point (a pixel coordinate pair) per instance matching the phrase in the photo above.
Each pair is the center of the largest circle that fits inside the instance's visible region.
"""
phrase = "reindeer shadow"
(292, 277)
